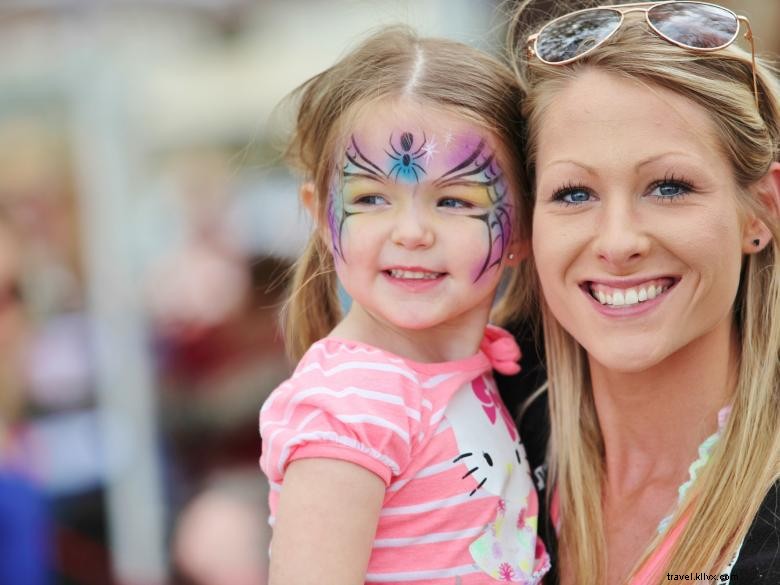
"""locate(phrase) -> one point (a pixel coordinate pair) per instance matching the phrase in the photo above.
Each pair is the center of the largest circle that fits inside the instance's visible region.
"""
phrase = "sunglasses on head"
(698, 26)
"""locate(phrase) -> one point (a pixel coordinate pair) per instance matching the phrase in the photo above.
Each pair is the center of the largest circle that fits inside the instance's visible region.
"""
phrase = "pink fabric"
(459, 503)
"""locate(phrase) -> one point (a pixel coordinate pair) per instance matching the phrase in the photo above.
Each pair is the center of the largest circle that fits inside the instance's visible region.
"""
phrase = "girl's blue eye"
(454, 203)
(372, 199)
(572, 195)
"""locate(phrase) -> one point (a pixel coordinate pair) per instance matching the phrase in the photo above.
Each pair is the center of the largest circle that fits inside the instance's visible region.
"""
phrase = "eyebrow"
(357, 177)
(642, 163)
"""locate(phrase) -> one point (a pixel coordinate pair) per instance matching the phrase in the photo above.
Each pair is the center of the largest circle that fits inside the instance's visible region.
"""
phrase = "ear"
(517, 251)
(308, 196)
(756, 234)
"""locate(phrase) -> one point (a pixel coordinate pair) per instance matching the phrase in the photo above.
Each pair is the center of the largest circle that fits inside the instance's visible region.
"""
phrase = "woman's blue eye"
(670, 189)
(572, 196)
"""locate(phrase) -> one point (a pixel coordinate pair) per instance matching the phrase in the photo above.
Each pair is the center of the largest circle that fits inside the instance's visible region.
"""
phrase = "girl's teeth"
(413, 275)
(629, 297)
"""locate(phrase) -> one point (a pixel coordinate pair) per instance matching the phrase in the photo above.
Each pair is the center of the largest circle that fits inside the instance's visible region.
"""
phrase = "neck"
(456, 339)
(653, 421)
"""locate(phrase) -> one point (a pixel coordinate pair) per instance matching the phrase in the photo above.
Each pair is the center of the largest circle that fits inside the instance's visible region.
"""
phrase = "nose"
(621, 240)
(412, 228)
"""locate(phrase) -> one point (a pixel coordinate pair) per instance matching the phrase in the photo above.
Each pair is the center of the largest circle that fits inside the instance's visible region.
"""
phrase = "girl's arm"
(325, 523)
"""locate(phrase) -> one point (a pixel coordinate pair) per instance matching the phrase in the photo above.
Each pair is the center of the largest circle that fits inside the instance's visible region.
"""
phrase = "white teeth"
(413, 275)
(628, 297)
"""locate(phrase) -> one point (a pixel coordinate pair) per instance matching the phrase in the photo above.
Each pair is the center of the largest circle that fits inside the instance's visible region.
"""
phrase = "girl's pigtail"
(312, 309)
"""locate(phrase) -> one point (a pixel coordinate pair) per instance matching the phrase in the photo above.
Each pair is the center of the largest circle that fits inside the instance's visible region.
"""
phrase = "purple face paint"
(474, 165)
(471, 165)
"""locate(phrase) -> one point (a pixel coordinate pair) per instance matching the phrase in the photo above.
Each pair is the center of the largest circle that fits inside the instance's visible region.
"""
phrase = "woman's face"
(637, 233)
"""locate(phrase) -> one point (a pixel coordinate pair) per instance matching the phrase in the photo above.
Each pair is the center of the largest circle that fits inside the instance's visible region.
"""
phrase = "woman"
(653, 148)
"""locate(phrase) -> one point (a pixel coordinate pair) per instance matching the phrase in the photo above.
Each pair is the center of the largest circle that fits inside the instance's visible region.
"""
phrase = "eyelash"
(364, 199)
(559, 194)
(670, 179)
(461, 203)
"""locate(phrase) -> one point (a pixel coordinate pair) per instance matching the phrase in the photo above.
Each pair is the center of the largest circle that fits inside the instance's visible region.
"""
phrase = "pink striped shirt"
(460, 506)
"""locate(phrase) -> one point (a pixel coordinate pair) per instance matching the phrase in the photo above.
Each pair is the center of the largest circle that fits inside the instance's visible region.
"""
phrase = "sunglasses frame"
(646, 7)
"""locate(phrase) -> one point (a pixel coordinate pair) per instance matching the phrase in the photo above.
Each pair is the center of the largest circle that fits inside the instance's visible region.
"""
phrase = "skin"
(631, 184)
(445, 209)
(452, 216)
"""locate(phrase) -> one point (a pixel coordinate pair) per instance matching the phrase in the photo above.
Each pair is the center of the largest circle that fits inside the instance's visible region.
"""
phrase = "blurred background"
(146, 226)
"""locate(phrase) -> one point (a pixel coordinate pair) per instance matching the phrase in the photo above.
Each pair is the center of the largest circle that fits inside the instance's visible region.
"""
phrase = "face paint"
(476, 168)
(405, 157)
(473, 167)
(420, 216)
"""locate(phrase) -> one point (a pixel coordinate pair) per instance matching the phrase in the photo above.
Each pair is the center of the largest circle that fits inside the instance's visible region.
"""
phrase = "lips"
(629, 293)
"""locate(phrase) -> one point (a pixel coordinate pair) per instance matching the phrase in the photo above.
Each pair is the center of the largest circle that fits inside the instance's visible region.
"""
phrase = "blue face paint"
(405, 159)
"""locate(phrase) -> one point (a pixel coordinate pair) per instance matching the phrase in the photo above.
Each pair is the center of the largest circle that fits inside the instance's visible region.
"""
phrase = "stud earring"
(511, 256)
(756, 242)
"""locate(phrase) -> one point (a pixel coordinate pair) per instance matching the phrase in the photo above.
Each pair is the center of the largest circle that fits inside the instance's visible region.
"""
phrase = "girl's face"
(420, 216)
(636, 231)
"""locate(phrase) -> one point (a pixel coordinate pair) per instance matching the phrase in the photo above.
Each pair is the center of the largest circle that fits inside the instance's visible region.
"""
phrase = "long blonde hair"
(746, 461)
(393, 62)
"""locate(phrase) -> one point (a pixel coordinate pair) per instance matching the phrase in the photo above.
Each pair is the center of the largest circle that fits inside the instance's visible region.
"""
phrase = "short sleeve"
(357, 407)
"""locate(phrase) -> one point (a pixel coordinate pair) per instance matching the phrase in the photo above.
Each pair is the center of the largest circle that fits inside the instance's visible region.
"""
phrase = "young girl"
(390, 454)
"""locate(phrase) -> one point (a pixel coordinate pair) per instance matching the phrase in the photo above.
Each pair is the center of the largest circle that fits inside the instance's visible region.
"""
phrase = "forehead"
(405, 131)
(606, 119)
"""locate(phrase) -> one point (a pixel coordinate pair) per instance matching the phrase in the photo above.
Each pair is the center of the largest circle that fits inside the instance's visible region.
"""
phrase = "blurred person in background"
(220, 537)
(24, 527)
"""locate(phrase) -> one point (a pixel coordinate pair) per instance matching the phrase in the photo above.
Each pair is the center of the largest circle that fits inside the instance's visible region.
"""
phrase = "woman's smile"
(648, 252)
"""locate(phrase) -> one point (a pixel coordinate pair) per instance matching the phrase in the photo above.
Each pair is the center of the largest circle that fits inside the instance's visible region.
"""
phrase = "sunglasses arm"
(749, 37)
(529, 46)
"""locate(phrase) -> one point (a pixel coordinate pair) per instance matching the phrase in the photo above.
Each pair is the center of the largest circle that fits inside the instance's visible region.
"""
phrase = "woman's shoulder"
(758, 562)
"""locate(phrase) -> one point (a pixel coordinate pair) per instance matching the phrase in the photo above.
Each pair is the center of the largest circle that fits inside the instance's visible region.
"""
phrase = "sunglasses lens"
(699, 26)
(573, 35)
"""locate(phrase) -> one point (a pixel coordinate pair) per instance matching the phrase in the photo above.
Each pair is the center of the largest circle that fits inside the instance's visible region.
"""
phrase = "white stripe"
(444, 426)
(436, 380)
(437, 416)
(427, 404)
(274, 486)
(422, 575)
(347, 366)
(310, 417)
(376, 421)
(435, 504)
(331, 437)
(428, 538)
(424, 472)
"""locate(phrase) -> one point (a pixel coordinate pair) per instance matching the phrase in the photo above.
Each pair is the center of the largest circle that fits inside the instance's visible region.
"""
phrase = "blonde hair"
(746, 461)
(393, 63)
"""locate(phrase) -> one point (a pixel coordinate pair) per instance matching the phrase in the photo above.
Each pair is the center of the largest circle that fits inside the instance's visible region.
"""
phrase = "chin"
(627, 361)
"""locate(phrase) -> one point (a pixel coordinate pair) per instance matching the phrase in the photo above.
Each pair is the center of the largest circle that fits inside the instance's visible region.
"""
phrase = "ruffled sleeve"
(342, 403)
